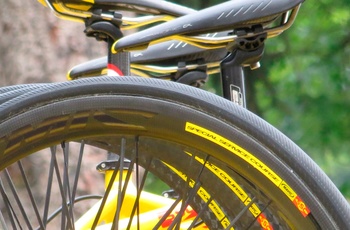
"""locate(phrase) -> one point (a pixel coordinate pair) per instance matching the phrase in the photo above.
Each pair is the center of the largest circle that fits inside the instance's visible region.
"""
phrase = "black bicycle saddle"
(225, 16)
(144, 6)
(81, 9)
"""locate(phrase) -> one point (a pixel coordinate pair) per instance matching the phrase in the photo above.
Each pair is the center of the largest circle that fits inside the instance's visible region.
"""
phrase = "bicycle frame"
(151, 208)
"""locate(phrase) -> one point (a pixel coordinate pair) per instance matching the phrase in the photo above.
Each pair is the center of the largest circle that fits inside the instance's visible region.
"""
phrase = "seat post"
(232, 74)
(109, 31)
(118, 63)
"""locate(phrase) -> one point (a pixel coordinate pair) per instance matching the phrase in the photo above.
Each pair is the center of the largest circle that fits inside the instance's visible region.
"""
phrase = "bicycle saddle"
(225, 16)
(145, 6)
(82, 9)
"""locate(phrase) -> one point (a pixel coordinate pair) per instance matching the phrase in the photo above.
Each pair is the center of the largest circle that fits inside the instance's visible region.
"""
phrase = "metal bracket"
(97, 26)
(111, 165)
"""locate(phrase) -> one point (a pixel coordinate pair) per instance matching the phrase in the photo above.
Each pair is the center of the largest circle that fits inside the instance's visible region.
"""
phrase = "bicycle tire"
(10, 92)
(6, 89)
(187, 131)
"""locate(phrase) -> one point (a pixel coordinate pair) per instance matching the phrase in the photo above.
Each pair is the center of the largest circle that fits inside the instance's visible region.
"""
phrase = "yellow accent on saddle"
(42, 2)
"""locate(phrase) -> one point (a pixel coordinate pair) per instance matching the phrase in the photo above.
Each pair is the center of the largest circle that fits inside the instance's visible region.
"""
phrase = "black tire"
(10, 92)
(194, 141)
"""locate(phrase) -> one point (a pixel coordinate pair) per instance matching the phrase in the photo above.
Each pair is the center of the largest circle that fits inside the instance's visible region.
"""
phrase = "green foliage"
(154, 185)
(306, 90)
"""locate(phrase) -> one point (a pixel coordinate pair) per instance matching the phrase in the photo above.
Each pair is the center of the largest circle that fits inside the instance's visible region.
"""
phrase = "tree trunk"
(36, 46)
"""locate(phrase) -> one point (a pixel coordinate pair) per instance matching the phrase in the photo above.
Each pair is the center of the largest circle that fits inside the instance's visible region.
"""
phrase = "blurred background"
(302, 88)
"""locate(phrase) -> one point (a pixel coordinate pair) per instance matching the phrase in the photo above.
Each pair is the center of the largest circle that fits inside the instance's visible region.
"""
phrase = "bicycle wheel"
(228, 168)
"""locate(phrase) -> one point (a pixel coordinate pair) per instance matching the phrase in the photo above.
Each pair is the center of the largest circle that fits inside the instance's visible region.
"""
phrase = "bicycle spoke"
(177, 221)
(49, 186)
(262, 211)
(195, 222)
(62, 191)
(122, 193)
(15, 195)
(2, 221)
(136, 207)
(64, 211)
(9, 208)
(167, 213)
(76, 179)
(78, 199)
(66, 185)
(189, 196)
(108, 190)
(240, 214)
(77, 173)
(120, 197)
(191, 192)
(35, 207)
(139, 188)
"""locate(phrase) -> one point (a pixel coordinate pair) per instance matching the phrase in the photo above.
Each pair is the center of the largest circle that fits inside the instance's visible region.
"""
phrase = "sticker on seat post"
(253, 161)
(236, 95)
